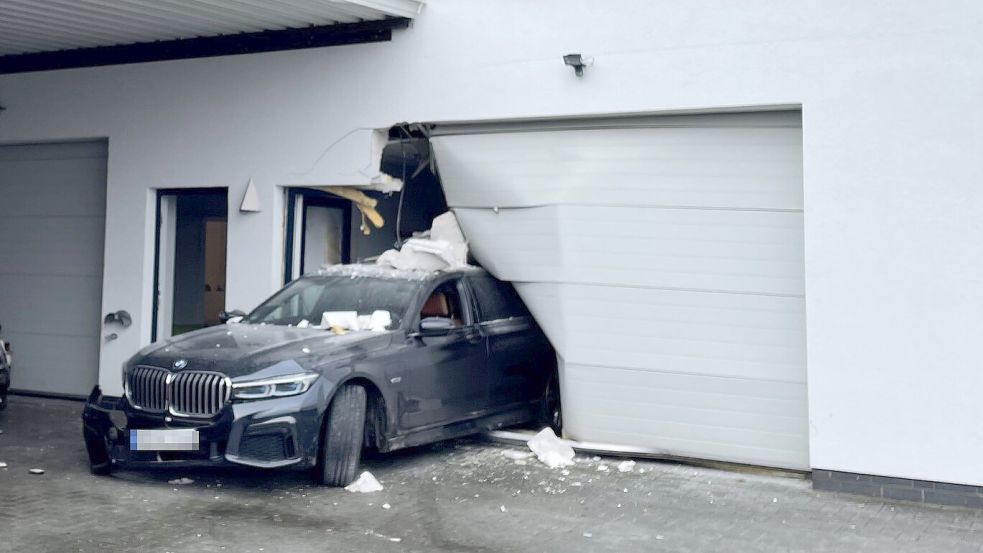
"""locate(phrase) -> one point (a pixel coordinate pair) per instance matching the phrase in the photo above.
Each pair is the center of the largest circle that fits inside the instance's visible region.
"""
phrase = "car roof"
(371, 270)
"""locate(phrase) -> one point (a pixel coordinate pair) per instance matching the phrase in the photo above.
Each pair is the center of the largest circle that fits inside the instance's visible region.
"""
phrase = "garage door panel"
(744, 168)
(53, 363)
(735, 251)
(51, 303)
(665, 264)
(730, 419)
(738, 335)
(56, 194)
(52, 221)
(40, 245)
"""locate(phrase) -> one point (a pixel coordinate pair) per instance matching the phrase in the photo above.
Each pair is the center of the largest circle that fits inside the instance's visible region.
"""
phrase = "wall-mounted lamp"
(250, 199)
(578, 62)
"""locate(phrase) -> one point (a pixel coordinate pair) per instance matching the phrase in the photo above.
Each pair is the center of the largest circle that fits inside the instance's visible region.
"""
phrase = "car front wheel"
(551, 410)
(341, 444)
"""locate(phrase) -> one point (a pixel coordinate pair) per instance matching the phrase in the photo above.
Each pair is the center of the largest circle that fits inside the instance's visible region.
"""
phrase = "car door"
(447, 374)
(520, 358)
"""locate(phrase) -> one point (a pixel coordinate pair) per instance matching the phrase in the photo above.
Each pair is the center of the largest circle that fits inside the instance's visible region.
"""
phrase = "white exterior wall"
(891, 130)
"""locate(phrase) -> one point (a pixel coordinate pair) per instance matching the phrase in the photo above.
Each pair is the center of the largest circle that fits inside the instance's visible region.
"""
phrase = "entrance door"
(191, 260)
(52, 226)
(318, 231)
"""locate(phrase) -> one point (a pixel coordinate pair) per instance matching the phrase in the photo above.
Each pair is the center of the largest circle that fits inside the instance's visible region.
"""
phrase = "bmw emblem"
(180, 364)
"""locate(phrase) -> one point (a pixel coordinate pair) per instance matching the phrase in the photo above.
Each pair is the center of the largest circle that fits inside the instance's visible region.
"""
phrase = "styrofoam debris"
(36, 471)
(445, 248)
(365, 483)
(626, 466)
(386, 506)
(588, 535)
(502, 508)
(550, 450)
(181, 481)
(602, 468)
(304, 323)
(3, 465)
(516, 455)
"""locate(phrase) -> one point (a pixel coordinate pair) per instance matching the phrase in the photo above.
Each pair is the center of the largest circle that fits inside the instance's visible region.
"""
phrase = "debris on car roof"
(442, 248)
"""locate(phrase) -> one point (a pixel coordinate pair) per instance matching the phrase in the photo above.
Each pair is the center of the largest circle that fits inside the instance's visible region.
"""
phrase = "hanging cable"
(399, 207)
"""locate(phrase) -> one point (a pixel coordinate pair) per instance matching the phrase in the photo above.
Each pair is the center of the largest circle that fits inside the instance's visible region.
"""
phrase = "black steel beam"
(204, 47)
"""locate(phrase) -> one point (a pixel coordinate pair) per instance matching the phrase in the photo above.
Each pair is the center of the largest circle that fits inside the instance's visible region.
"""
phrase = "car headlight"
(280, 386)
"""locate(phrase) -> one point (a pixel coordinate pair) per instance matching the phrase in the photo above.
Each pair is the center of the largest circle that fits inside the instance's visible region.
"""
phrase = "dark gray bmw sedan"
(355, 356)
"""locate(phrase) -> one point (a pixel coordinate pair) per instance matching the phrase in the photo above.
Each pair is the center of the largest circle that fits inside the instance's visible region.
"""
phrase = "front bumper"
(269, 433)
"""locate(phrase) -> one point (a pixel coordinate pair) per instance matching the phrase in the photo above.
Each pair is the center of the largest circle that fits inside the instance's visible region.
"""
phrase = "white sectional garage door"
(52, 221)
(664, 259)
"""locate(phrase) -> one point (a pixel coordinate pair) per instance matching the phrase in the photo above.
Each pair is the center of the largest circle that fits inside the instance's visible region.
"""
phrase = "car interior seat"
(440, 304)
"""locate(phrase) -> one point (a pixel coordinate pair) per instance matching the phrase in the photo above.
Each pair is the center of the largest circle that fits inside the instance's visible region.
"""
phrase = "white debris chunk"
(365, 483)
(602, 468)
(304, 323)
(181, 481)
(502, 508)
(588, 535)
(551, 451)
(516, 455)
(3, 465)
(386, 506)
(36, 471)
(626, 466)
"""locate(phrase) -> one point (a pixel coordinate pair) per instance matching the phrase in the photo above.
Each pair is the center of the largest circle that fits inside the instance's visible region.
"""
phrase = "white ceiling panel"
(31, 26)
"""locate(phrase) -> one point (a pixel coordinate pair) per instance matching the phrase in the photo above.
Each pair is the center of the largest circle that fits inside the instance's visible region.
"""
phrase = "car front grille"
(198, 394)
(148, 388)
(189, 393)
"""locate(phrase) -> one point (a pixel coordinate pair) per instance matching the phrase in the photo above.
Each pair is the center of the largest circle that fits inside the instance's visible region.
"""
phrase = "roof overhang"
(40, 35)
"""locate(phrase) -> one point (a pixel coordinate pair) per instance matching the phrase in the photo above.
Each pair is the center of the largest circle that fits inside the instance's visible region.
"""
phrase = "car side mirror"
(224, 316)
(436, 326)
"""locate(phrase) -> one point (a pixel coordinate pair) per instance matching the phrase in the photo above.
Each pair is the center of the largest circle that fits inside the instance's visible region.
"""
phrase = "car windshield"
(308, 298)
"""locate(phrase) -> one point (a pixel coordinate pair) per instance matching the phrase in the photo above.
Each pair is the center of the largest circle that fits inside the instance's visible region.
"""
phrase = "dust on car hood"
(243, 349)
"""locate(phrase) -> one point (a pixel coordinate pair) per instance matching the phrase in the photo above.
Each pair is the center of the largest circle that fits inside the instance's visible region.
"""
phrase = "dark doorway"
(189, 290)
(318, 233)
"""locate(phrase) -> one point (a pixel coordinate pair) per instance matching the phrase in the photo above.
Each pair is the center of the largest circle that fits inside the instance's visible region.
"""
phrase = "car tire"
(551, 411)
(341, 444)
(99, 462)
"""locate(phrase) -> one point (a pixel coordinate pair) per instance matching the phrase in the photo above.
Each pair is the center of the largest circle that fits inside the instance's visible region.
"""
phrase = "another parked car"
(6, 361)
(300, 381)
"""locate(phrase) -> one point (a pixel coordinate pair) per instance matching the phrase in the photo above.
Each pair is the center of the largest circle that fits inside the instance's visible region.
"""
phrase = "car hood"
(244, 349)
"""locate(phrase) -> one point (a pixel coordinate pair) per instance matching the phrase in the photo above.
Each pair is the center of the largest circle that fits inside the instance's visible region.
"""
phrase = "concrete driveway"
(454, 496)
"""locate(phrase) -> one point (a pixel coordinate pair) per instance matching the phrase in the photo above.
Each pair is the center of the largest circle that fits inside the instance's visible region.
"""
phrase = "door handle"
(122, 317)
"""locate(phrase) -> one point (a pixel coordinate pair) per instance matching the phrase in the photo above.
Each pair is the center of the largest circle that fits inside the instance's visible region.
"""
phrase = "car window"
(497, 299)
(445, 302)
(309, 297)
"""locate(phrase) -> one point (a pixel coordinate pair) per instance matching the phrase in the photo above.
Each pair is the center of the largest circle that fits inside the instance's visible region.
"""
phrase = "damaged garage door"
(663, 256)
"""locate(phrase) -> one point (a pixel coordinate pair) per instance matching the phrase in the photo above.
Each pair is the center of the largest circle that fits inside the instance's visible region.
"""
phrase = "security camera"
(578, 62)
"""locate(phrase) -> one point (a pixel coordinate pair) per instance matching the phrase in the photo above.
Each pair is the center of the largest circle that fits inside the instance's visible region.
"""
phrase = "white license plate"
(176, 439)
